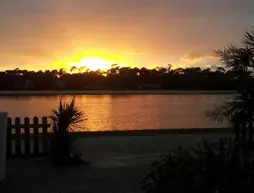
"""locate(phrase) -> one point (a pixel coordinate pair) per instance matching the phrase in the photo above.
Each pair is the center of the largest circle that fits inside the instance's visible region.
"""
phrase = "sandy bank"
(112, 92)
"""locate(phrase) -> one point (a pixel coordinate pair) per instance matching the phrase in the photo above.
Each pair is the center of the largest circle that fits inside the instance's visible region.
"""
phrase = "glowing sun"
(95, 63)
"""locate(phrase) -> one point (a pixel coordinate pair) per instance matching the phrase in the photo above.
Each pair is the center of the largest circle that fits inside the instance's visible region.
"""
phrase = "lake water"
(124, 112)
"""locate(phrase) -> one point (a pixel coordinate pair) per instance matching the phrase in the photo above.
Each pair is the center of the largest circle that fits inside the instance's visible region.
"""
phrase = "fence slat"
(18, 136)
(36, 132)
(45, 135)
(9, 138)
(27, 136)
(31, 133)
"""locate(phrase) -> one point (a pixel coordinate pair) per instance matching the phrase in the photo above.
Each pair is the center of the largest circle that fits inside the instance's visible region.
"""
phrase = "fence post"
(45, 134)
(27, 135)
(3, 136)
(36, 132)
(9, 137)
(18, 136)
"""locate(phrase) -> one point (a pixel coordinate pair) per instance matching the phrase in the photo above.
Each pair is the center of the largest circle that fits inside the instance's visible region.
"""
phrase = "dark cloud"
(177, 8)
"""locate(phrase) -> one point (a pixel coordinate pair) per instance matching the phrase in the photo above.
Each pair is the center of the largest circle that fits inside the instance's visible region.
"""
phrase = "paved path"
(117, 165)
(38, 176)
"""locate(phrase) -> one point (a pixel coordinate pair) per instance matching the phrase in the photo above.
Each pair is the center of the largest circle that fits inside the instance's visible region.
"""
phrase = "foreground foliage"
(65, 118)
(223, 167)
(239, 111)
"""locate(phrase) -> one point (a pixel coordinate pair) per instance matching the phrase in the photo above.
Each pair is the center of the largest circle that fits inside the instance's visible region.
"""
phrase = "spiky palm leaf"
(243, 103)
(249, 39)
(239, 109)
(218, 114)
(237, 59)
(66, 117)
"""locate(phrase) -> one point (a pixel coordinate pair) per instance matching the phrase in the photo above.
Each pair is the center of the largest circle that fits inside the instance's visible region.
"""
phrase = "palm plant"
(249, 39)
(65, 118)
(236, 58)
(240, 110)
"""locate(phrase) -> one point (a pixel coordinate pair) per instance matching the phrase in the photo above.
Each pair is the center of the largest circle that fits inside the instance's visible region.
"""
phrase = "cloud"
(200, 59)
(143, 31)
(136, 53)
(195, 57)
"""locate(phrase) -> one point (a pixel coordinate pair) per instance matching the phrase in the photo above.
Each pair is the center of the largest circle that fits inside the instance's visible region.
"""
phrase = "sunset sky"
(47, 34)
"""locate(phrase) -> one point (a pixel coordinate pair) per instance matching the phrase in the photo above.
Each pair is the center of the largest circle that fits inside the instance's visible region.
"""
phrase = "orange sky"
(53, 34)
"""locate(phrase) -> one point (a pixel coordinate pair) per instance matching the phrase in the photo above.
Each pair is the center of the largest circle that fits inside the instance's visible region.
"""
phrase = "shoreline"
(113, 92)
(147, 133)
(159, 132)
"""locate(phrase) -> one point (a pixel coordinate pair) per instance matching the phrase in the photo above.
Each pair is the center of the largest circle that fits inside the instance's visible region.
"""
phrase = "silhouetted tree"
(120, 78)
(240, 62)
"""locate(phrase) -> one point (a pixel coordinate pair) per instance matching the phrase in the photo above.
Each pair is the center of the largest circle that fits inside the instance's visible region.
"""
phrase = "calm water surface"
(124, 112)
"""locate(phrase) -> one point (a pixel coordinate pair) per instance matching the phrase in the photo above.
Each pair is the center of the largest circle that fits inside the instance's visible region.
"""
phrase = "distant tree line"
(119, 78)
